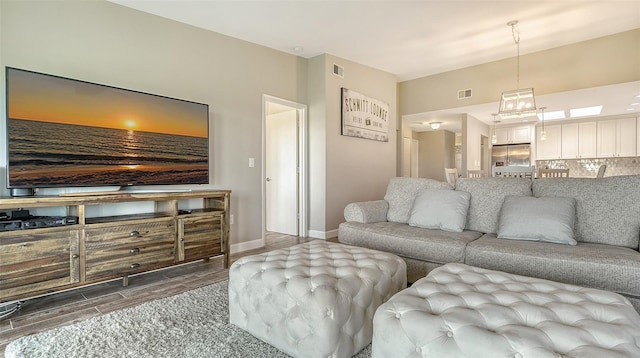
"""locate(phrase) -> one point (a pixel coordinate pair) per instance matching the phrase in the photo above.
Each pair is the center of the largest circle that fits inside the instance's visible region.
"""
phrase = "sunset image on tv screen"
(64, 132)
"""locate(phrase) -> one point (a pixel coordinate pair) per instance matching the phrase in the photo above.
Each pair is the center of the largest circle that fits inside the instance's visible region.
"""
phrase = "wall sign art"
(364, 117)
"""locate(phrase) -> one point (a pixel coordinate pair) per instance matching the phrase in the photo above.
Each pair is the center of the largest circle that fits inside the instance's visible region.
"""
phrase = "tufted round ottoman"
(315, 299)
(465, 311)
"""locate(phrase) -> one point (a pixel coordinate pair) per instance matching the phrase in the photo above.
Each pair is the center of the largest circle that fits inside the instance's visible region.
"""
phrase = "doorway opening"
(284, 166)
(485, 155)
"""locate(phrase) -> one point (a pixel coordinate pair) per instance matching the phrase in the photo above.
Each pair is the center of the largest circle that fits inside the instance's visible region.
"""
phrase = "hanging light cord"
(516, 38)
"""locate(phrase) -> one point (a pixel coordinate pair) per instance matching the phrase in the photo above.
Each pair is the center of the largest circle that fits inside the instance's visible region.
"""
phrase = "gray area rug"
(191, 324)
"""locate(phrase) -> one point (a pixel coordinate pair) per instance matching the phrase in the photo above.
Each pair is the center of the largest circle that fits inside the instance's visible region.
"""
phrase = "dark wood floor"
(64, 308)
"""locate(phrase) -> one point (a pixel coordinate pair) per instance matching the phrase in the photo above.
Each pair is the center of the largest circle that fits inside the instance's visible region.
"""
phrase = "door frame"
(303, 189)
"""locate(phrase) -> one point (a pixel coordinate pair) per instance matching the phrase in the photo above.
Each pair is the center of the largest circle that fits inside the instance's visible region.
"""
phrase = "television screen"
(63, 132)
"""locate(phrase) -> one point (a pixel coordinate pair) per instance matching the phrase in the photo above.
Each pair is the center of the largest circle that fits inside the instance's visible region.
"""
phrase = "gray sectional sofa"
(602, 216)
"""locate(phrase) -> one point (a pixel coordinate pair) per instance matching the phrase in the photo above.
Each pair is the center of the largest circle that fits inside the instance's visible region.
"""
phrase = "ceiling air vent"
(338, 70)
(462, 94)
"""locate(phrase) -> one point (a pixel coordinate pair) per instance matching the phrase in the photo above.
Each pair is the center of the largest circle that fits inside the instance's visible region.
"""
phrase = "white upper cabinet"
(607, 138)
(550, 148)
(502, 135)
(617, 138)
(513, 135)
(520, 134)
(579, 140)
(588, 139)
(570, 141)
(626, 140)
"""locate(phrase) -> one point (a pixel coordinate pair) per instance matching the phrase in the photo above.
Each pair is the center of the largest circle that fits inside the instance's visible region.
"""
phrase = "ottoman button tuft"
(398, 315)
(449, 334)
(518, 355)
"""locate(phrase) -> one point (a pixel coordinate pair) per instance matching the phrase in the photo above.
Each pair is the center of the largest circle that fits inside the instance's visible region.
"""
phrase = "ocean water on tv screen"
(45, 154)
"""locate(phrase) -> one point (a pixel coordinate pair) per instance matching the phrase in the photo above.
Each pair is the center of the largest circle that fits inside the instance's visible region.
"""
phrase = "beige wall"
(102, 42)
(598, 62)
(355, 169)
(317, 146)
(472, 132)
(436, 151)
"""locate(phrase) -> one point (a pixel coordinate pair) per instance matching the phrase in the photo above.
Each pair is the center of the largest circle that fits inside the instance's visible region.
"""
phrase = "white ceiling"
(410, 39)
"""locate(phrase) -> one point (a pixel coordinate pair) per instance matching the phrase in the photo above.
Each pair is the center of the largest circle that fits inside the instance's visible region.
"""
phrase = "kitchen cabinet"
(502, 135)
(617, 138)
(550, 148)
(513, 135)
(579, 140)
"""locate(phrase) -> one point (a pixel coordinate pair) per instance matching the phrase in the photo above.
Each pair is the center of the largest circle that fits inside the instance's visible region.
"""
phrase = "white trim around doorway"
(303, 206)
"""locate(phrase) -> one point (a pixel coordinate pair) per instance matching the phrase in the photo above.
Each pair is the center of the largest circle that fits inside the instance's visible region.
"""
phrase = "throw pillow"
(401, 193)
(440, 209)
(549, 219)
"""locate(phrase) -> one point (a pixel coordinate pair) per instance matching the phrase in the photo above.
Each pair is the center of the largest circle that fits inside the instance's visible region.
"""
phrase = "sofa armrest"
(367, 211)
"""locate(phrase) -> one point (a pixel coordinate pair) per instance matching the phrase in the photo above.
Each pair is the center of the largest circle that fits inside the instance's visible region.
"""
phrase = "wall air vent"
(338, 70)
(462, 94)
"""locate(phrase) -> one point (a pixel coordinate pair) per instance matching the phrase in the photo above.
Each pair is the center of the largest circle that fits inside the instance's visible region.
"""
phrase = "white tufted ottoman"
(315, 299)
(464, 311)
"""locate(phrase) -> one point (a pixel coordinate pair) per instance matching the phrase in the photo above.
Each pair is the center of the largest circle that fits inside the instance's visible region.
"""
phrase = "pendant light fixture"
(521, 102)
(494, 137)
(543, 134)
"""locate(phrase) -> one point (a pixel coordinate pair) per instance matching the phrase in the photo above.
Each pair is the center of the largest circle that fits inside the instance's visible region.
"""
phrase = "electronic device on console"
(21, 220)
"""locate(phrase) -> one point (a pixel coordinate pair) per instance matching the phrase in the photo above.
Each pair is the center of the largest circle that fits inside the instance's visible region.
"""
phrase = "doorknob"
(268, 179)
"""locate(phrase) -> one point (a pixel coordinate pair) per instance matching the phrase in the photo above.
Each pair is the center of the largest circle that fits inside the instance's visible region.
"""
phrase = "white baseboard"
(323, 234)
(245, 246)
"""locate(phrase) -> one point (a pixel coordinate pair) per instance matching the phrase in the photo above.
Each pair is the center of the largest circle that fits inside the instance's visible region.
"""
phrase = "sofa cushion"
(548, 219)
(407, 241)
(607, 209)
(608, 267)
(401, 192)
(487, 195)
(440, 209)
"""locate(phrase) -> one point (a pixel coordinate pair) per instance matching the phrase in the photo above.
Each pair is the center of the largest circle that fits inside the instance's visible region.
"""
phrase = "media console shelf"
(181, 227)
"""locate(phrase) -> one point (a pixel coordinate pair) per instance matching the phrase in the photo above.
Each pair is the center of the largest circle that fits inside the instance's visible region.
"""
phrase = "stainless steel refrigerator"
(511, 154)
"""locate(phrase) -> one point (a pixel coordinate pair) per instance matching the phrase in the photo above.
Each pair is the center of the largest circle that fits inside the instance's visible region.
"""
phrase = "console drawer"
(118, 250)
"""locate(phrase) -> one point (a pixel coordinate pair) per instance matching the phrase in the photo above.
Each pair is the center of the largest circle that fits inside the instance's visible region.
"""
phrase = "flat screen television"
(63, 132)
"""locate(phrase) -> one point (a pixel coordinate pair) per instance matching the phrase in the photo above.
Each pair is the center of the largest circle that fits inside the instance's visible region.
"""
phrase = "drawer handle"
(134, 266)
(134, 251)
(134, 233)
(75, 256)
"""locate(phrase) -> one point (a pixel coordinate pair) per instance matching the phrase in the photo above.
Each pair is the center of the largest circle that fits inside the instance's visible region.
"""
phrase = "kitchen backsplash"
(589, 167)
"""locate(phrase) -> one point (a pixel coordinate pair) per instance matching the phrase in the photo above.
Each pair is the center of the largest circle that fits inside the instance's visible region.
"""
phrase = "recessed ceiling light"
(634, 103)
(298, 49)
(586, 111)
(631, 109)
(552, 115)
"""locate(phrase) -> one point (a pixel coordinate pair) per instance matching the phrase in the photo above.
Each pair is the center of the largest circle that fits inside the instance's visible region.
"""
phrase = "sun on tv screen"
(63, 132)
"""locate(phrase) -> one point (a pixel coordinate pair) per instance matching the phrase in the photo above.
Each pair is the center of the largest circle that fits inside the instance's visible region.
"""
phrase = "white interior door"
(281, 156)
